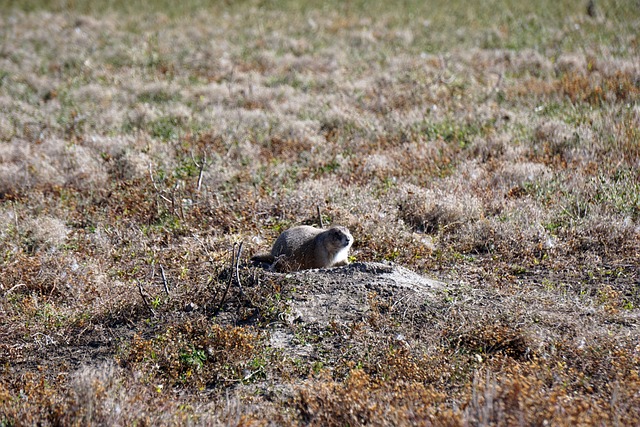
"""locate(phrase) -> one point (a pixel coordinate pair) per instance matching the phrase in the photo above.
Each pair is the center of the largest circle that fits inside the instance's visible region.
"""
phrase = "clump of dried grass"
(515, 177)
(96, 395)
(362, 399)
(438, 211)
(44, 233)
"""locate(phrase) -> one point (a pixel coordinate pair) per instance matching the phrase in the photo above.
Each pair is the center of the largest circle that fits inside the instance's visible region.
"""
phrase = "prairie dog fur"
(304, 247)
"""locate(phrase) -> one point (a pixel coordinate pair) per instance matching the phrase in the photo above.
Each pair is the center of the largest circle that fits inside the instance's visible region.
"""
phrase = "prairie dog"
(304, 247)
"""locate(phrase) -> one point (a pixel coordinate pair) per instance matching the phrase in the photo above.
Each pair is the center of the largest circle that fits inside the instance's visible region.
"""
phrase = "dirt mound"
(346, 294)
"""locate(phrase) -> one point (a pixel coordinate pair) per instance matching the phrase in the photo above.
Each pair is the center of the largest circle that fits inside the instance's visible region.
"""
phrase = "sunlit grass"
(493, 144)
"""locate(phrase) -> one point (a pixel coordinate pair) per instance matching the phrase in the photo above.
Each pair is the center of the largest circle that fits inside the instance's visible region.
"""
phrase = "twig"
(164, 280)
(235, 272)
(201, 167)
(320, 216)
(155, 186)
(215, 293)
(201, 173)
(175, 211)
(441, 78)
(226, 290)
(15, 216)
(182, 211)
(237, 268)
(13, 288)
(497, 85)
(144, 299)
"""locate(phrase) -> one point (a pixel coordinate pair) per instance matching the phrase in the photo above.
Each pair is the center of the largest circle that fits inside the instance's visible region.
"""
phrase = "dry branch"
(144, 299)
(164, 280)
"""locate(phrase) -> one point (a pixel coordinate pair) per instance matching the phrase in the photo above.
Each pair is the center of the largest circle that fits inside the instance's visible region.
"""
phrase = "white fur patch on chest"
(341, 255)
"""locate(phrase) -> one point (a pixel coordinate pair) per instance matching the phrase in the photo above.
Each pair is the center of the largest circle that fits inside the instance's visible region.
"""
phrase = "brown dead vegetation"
(498, 152)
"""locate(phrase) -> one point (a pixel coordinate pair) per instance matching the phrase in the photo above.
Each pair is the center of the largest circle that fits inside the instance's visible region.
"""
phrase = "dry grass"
(494, 146)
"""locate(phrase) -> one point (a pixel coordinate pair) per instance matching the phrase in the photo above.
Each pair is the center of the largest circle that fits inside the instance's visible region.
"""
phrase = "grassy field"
(494, 146)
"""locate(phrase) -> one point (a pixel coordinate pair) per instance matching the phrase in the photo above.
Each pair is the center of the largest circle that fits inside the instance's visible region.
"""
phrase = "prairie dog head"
(338, 239)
